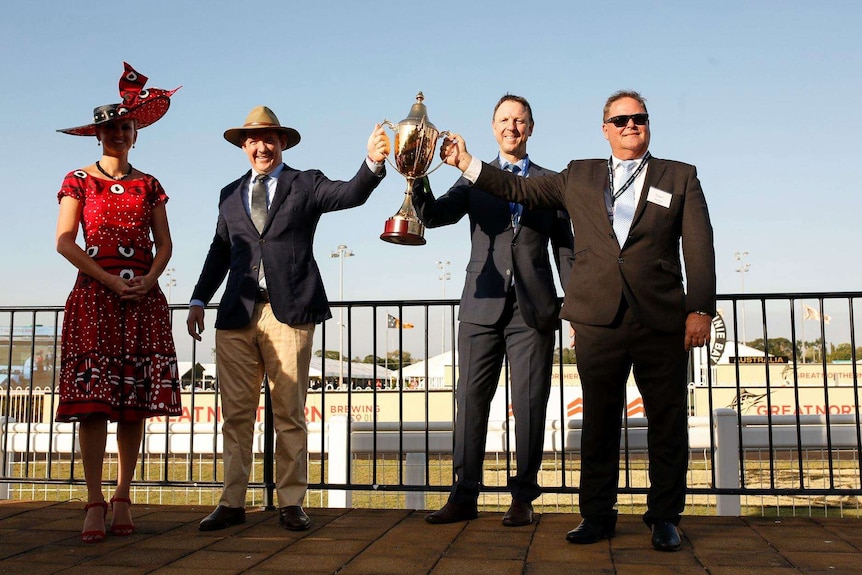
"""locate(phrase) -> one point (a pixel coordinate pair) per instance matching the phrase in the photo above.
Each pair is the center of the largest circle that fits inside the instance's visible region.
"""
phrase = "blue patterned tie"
(624, 206)
(514, 207)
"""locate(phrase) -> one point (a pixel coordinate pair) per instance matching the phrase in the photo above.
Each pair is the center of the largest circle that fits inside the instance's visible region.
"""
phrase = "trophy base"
(401, 231)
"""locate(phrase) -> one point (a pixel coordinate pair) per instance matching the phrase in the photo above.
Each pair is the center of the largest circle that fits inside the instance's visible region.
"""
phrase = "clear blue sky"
(755, 94)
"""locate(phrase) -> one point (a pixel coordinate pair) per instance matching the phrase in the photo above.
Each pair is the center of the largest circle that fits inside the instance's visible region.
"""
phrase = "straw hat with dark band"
(261, 118)
(145, 106)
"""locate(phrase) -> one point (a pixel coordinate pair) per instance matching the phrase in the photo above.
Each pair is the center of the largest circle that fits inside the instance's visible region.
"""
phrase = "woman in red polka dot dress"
(118, 358)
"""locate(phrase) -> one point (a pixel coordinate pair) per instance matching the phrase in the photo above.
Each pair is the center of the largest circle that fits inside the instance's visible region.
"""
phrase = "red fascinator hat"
(145, 105)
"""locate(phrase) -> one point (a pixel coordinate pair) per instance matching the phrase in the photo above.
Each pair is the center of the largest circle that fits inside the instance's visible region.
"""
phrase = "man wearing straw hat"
(273, 298)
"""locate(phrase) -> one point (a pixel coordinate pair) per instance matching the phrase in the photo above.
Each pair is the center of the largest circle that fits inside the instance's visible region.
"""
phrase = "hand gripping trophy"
(415, 142)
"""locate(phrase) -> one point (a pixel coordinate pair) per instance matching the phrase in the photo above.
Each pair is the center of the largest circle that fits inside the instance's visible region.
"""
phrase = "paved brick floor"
(39, 538)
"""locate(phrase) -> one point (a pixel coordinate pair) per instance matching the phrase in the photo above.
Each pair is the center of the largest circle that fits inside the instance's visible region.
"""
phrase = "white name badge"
(659, 197)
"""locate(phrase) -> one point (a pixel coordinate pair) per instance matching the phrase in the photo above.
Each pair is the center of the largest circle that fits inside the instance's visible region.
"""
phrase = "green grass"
(391, 473)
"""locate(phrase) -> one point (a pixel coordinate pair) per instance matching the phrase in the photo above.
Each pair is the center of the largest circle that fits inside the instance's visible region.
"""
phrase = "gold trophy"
(415, 142)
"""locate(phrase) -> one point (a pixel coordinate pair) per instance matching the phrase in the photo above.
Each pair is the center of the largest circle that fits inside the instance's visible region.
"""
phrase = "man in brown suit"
(627, 303)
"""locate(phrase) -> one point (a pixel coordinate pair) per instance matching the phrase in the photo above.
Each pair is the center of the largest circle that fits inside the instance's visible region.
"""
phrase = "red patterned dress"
(118, 358)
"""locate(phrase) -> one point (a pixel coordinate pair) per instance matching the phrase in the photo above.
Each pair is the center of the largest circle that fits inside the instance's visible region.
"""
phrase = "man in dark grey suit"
(627, 302)
(273, 299)
(509, 307)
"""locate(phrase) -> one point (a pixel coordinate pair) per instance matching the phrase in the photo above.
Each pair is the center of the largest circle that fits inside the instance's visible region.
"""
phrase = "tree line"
(806, 351)
(392, 360)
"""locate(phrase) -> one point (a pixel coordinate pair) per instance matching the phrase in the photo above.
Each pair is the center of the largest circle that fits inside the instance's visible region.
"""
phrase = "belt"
(262, 296)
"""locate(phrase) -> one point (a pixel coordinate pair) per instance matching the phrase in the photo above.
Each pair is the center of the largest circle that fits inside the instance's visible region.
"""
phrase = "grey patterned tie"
(624, 206)
(258, 210)
(258, 202)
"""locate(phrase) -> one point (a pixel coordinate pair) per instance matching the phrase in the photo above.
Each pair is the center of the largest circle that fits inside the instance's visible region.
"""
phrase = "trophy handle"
(392, 127)
(442, 134)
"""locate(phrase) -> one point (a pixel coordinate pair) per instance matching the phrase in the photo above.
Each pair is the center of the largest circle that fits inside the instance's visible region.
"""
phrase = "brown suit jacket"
(647, 270)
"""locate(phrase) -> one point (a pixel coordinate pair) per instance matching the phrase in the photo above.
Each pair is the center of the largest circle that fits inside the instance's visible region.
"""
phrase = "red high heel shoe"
(121, 530)
(97, 535)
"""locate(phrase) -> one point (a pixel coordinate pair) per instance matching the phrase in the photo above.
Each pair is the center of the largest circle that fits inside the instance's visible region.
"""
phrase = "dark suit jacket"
(293, 280)
(497, 252)
(647, 269)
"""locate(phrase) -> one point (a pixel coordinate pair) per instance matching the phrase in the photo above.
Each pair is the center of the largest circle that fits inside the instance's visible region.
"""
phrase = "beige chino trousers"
(244, 355)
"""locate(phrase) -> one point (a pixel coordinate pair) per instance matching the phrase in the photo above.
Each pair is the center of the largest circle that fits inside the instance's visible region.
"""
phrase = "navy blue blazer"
(285, 246)
(498, 251)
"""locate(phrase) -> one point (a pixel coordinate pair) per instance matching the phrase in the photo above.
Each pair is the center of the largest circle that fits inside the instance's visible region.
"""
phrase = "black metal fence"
(774, 426)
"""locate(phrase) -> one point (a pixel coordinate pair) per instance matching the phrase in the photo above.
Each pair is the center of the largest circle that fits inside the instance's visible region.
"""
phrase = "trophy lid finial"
(418, 112)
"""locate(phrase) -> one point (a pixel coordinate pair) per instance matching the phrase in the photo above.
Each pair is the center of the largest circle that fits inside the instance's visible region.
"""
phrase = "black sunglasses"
(623, 121)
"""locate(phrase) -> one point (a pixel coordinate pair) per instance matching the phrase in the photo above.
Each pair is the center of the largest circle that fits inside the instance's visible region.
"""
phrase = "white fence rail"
(413, 441)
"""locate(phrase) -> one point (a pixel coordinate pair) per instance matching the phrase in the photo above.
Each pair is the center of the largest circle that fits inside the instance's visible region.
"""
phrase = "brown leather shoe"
(222, 518)
(453, 513)
(293, 518)
(519, 513)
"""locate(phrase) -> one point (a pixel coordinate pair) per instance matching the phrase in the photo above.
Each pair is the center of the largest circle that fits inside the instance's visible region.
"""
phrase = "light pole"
(340, 252)
(742, 268)
(171, 282)
(443, 277)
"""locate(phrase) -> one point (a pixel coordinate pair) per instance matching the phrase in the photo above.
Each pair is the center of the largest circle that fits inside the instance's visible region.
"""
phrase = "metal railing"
(770, 429)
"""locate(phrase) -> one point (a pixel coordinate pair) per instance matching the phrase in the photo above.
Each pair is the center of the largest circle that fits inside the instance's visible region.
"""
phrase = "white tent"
(332, 369)
(357, 371)
(440, 374)
(205, 379)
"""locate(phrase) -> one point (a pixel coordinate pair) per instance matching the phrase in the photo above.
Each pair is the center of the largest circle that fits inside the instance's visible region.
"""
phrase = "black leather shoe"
(519, 513)
(452, 513)
(590, 532)
(222, 518)
(294, 518)
(665, 536)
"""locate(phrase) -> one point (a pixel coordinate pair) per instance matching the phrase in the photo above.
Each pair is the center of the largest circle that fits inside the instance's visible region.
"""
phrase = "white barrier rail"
(159, 438)
(416, 440)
